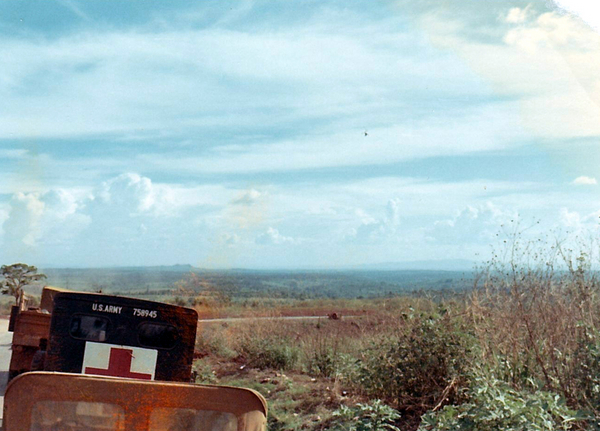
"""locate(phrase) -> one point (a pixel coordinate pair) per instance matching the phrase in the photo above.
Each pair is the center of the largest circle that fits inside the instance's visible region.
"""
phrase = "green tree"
(17, 276)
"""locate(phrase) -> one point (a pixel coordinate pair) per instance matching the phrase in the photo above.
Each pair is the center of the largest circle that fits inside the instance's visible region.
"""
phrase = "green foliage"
(586, 373)
(277, 353)
(374, 416)
(214, 343)
(494, 405)
(17, 276)
(421, 368)
(323, 363)
(203, 372)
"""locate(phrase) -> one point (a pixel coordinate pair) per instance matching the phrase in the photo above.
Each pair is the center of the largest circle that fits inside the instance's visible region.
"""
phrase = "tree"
(17, 276)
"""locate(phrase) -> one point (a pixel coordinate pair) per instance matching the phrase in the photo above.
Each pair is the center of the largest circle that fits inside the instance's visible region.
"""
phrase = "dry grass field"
(519, 351)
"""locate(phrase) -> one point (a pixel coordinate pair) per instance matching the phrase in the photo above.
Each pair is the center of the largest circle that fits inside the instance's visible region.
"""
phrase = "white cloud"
(272, 236)
(474, 224)
(123, 212)
(128, 191)
(570, 218)
(23, 226)
(176, 81)
(547, 64)
(373, 230)
(442, 136)
(137, 195)
(248, 197)
(577, 227)
(588, 11)
(517, 15)
(583, 180)
(554, 31)
(35, 220)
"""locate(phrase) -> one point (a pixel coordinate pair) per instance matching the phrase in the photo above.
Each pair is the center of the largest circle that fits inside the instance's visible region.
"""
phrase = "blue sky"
(293, 134)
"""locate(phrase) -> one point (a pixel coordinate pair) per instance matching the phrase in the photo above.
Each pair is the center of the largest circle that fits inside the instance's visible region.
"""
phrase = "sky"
(278, 134)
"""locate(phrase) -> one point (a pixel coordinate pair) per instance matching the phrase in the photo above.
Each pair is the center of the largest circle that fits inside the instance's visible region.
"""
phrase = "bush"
(323, 363)
(494, 405)
(422, 369)
(277, 353)
(202, 372)
(586, 373)
(213, 341)
(375, 416)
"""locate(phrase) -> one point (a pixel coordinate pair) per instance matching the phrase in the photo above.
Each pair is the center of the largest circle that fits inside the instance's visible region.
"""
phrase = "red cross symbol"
(119, 365)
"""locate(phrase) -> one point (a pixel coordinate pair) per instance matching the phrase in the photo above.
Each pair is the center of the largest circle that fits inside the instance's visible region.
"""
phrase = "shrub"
(323, 363)
(494, 405)
(375, 416)
(277, 353)
(213, 341)
(420, 370)
(202, 372)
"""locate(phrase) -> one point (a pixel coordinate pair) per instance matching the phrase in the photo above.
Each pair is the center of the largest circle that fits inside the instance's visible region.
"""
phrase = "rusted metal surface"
(73, 402)
(30, 326)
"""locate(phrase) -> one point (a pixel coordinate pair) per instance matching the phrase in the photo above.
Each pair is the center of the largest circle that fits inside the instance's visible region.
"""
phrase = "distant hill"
(366, 281)
(424, 265)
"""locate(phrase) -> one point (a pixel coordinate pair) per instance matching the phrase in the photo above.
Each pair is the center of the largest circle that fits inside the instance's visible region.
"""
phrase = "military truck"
(90, 361)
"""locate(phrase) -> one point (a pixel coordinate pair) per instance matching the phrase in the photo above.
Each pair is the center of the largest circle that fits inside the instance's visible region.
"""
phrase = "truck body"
(114, 363)
(93, 333)
(50, 401)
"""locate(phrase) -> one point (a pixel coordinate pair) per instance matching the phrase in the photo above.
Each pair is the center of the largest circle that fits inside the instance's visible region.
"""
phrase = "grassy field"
(515, 346)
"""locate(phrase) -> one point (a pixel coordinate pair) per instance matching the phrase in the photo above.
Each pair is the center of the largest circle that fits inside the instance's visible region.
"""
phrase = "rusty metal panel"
(64, 399)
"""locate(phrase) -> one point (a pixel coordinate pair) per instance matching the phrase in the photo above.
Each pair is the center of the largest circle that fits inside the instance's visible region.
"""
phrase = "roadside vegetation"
(519, 351)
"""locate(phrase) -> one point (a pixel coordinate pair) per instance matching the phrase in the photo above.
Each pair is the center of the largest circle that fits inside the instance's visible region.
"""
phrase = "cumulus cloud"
(128, 191)
(517, 15)
(474, 224)
(272, 236)
(578, 223)
(127, 209)
(570, 219)
(376, 229)
(23, 226)
(248, 197)
(36, 219)
(585, 181)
